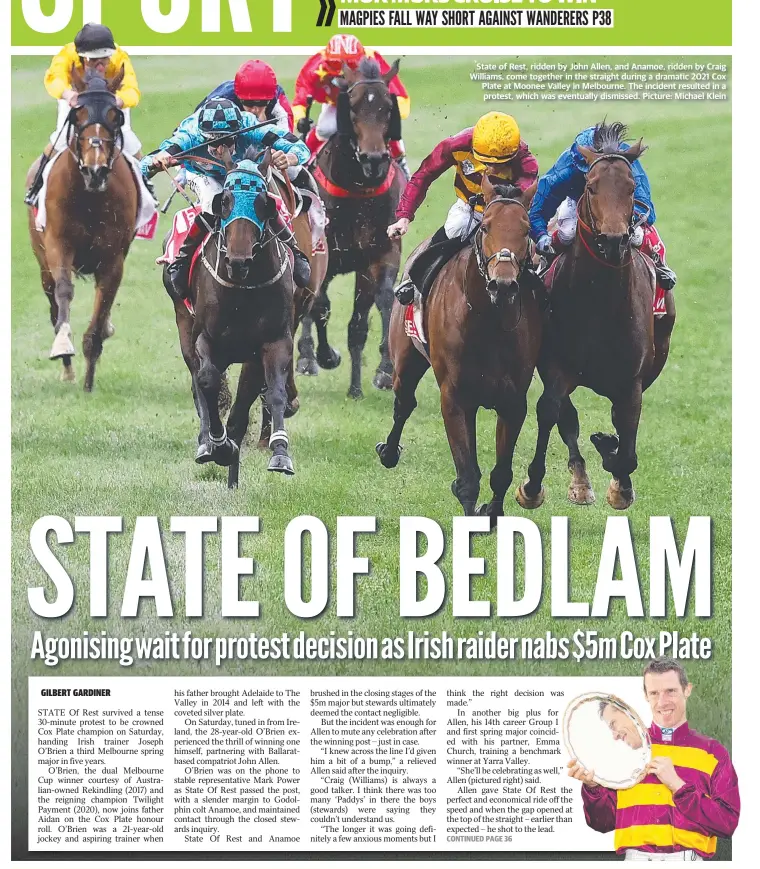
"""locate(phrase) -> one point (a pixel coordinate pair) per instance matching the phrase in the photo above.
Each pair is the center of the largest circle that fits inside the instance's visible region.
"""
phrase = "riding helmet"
(343, 49)
(218, 118)
(496, 138)
(93, 41)
(255, 81)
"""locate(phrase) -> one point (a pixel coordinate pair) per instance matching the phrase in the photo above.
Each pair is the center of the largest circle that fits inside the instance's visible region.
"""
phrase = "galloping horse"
(242, 291)
(91, 204)
(602, 333)
(483, 322)
(361, 187)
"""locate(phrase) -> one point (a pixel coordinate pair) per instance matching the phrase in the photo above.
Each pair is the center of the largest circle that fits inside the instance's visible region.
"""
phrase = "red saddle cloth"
(181, 224)
(658, 305)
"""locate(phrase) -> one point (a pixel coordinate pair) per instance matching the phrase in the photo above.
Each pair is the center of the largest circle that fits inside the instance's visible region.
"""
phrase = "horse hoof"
(605, 444)
(328, 360)
(203, 455)
(307, 366)
(355, 392)
(62, 345)
(382, 380)
(291, 408)
(618, 498)
(67, 375)
(388, 457)
(263, 444)
(491, 512)
(582, 495)
(526, 501)
(109, 330)
(281, 464)
(226, 454)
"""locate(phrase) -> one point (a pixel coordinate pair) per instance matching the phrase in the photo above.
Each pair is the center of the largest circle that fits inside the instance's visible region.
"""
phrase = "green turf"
(128, 448)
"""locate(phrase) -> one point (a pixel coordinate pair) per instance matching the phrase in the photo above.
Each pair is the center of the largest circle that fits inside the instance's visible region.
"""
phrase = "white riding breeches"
(327, 122)
(567, 220)
(205, 188)
(461, 220)
(654, 856)
(132, 144)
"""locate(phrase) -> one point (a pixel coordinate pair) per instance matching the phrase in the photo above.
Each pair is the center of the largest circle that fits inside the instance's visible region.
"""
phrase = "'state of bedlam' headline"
(679, 579)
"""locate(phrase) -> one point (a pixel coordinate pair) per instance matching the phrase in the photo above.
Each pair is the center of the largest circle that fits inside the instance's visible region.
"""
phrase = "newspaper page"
(371, 397)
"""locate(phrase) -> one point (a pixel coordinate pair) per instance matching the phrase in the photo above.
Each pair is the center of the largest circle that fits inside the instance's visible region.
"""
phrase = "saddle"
(427, 266)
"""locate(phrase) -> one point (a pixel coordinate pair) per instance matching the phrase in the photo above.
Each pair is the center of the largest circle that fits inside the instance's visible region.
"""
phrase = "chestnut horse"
(483, 323)
(361, 187)
(91, 204)
(601, 333)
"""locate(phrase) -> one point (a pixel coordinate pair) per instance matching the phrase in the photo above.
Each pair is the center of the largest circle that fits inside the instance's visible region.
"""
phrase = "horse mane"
(507, 191)
(251, 153)
(609, 137)
(95, 81)
(369, 69)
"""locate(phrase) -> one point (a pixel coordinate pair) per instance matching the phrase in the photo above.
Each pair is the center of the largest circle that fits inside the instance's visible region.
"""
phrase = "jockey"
(255, 90)
(92, 48)
(559, 190)
(492, 146)
(316, 81)
(219, 118)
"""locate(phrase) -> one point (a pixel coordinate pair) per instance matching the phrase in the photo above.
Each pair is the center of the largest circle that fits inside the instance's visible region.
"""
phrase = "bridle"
(97, 142)
(597, 252)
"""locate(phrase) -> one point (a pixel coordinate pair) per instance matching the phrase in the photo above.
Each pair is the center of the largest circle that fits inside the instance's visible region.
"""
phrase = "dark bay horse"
(242, 290)
(601, 333)
(483, 324)
(91, 204)
(361, 187)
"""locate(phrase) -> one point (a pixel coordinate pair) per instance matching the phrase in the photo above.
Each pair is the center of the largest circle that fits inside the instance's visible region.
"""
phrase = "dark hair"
(603, 704)
(665, 665)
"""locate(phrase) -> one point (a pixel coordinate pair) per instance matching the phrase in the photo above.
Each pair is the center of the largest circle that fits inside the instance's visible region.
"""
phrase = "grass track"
(128, 448)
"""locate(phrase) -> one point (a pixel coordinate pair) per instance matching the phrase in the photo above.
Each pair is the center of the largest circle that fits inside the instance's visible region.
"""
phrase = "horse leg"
(510, 421)
(60, 264)
(580, 491)
(217, 447)
(307, 361)
(531, 494)
(384, 275)
(663, 329)
(249, 388)
(107, 282)
(327, 356)
(358, 328)
(48, 285)
(460, 430)
(277, 358)
(619, 452)
(409, 369)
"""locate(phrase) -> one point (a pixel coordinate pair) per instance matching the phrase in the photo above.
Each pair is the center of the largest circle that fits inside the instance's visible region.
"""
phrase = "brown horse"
(601, 333)
(361, 187)
(483, 322)
(91, 203)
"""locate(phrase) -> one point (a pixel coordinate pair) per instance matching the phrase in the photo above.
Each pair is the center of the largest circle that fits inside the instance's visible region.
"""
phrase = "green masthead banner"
(273, 23)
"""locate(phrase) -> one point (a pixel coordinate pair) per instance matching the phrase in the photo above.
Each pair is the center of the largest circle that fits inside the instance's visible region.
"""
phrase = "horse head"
(606, 208)
(96, 123)
(246, 207)
(503, 242)
(368, 114)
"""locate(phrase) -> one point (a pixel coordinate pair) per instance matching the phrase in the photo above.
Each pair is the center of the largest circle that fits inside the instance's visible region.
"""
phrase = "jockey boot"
(151, 189)
(178, 271)
(34, 188)
(666, 277)
(406, 290)
(301, 264)
(402, 164)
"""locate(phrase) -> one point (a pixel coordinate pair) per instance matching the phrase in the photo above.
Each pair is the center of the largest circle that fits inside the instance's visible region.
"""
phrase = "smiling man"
(620, 724)
(690, 795)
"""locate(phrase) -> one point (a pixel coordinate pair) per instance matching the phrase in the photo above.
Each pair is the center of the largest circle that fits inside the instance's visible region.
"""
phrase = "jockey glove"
(544, 245)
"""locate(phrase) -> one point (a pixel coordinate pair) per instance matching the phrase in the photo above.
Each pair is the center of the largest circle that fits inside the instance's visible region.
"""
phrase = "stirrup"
(405, 292)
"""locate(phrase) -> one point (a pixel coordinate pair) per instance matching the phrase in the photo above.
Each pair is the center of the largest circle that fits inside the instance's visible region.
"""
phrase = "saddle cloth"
(658, 304)
(413, 326)
(147, 214)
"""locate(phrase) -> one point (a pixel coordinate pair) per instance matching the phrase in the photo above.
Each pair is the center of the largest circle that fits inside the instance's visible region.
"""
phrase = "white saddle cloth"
(145, 211)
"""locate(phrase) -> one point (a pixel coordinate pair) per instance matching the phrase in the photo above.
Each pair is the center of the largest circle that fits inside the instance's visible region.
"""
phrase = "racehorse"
(361, 187)
(602, 333)
(91, 203)
(484, 323)
(242, 292)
